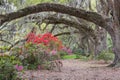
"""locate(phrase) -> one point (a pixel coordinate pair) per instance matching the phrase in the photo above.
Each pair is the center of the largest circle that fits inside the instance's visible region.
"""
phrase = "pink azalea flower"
(64, 49)
(53, 52)
(18, 68)
(69, 51)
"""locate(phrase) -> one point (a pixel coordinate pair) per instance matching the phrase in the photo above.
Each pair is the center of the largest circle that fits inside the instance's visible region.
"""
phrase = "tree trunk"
(116, 49)
(116, 36)
(100, 44)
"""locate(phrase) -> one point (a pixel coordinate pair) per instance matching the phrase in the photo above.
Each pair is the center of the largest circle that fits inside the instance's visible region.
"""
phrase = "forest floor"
(78, 70)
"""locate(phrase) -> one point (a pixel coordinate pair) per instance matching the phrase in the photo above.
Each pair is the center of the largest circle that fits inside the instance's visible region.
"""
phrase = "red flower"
(31, 37)
(47, 39)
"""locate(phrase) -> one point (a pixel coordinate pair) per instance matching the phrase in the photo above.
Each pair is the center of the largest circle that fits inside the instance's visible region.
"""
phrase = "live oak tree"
(82, 29)
(111, 25)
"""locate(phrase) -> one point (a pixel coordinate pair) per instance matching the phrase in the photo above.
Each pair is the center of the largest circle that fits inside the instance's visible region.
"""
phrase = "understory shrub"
(65, 51)
(38, 51)
(106, 56)
(8, 71)
(79, 53)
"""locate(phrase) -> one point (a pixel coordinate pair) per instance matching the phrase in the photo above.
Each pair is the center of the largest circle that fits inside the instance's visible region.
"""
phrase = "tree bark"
(116, 49)
(116, 36)
(45, 7)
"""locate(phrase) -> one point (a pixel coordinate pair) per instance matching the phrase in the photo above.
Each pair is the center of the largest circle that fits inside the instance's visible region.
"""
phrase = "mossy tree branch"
(46, 7)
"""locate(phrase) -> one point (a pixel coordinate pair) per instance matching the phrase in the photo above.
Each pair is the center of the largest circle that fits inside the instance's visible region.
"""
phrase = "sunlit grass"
(69, 56)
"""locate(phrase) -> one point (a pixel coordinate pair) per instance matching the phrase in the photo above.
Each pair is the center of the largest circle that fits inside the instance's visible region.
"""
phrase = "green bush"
(7, 67)
(4, 48)
(32, 56)
(106, 56)
(84, 58)
(80, 53)
(62, 54)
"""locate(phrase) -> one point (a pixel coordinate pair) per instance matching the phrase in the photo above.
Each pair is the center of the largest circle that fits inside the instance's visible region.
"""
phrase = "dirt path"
(78, 70)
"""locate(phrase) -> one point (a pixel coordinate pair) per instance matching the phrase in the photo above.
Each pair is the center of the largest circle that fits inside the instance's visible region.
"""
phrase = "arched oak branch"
(45, 7)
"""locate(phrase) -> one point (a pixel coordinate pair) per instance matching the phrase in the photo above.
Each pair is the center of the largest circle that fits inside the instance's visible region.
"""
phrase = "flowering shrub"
(7, 69)
(46, 39)
(53, 52)
(39, 50)
(52, 43)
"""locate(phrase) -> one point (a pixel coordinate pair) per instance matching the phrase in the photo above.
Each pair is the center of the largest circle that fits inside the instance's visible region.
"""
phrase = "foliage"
(69, 56)
(80, 52)
(38, 50)
(74, 56)
(106, 56)
(35, 56)
(33, 2)
(84, 58)
(7, 67)
(46, 39)
(4, 48)
(64, 52)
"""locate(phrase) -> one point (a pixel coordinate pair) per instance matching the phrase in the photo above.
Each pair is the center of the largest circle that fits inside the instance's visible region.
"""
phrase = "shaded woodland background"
(92, 29)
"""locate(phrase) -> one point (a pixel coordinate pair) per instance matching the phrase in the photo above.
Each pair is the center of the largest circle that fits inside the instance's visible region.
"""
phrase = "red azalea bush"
(46, 39)
(47, 44)
(39, 50)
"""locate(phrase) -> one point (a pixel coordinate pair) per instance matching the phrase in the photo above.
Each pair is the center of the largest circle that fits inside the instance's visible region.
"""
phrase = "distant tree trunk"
(101, 32)
(116, 48)
(100, 44)
(116, 34)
